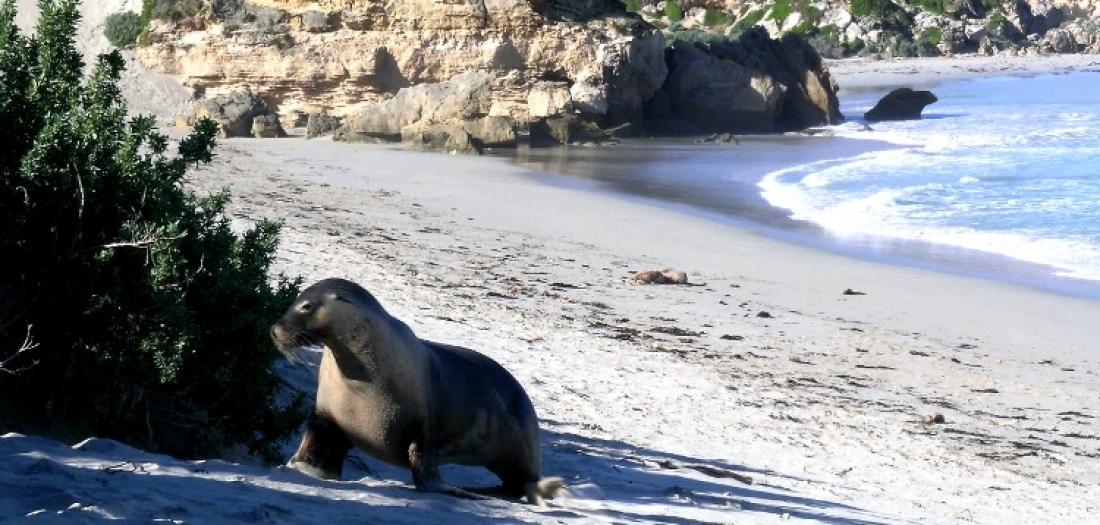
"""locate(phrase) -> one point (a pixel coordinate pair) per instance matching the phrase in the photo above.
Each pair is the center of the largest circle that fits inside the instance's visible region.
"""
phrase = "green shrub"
(996, 20)
(716, 18)
(673, 11)
(781, 9)
(150, 314)
(826, 41)
(632, 6)
(939, 7)
(122, 29)
(854, 47)
(826, 45)
(876, 9)
(809, 13)
(173, 10)
(932, 35)
(750, 19)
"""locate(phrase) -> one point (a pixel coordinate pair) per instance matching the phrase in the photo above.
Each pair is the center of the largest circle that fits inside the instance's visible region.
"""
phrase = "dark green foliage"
(876, 9)
(932, 36)
(122, 29)
(995, 21)
(887, 14)
(826, 41)
(715, 18)
(673, 11)
(781, 9)
(939, 7)
(150, 314)
(750, 19)
(174, 10)
(632, 6)
(854, 47)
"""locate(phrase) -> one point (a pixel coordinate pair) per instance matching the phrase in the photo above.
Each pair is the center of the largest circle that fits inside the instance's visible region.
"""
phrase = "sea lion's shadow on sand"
(622, 472)
(629, 474)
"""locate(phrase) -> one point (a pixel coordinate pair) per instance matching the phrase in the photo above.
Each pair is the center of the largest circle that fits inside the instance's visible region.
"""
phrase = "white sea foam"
(1013, 178)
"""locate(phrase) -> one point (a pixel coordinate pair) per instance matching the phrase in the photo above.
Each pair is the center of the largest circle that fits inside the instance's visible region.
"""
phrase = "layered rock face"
(339, 56)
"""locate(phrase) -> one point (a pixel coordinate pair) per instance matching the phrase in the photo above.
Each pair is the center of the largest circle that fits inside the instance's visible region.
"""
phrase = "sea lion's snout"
(297, 328)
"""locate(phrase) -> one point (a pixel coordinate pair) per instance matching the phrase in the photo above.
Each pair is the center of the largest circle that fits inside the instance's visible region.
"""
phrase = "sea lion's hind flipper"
(542, 489)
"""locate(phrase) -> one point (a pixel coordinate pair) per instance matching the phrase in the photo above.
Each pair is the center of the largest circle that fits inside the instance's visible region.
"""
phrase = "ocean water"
(1004, 166)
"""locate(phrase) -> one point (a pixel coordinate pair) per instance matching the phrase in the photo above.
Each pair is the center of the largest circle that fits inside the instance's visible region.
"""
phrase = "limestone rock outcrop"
(755, 83)
(900, 104)
(238, 114)
(341, 56)
(319, 123)
(705, 93)
(468, 75)
(465, 96)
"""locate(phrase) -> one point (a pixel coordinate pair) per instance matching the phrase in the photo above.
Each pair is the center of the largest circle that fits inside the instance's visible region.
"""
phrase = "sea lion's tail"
(542, 489)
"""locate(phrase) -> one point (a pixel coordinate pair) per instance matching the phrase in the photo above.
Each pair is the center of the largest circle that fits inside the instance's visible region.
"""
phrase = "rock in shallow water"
(900, 104)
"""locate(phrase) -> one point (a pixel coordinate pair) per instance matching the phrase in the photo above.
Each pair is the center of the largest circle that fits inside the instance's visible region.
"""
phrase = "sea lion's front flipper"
(323, 449)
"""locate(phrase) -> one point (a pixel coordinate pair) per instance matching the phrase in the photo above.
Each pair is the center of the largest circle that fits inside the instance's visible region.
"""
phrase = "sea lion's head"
(328, 309)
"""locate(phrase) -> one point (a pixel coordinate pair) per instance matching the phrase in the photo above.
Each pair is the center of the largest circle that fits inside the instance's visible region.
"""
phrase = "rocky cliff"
(343, 55)
(402, 69)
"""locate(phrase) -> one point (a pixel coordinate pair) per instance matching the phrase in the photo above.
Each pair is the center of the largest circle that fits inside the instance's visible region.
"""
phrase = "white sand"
(862, 73)
(820, 403)
(146, 92)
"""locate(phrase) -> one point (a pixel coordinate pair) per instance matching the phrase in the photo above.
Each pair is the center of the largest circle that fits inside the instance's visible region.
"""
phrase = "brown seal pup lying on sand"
(408, 402)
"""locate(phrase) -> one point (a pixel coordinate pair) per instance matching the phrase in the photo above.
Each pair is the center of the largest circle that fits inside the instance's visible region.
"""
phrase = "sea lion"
(406, 401)
(666, 276)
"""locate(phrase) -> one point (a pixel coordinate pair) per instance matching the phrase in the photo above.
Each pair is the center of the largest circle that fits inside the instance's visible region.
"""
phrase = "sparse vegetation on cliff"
(122, 29)
(144, 312)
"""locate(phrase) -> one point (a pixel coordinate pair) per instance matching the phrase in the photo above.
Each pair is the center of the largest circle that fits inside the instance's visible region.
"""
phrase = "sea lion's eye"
(305, 307)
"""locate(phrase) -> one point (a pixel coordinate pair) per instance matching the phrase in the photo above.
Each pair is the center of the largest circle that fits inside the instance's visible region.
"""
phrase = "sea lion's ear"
(337, 296)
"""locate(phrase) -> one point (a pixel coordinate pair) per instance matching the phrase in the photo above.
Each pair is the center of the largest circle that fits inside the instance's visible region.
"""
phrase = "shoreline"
(607, 170)
(824, 393)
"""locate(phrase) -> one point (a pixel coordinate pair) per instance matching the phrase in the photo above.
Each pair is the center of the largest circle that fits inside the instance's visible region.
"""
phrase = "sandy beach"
(760, 393)
(857, 74)
(763, 367)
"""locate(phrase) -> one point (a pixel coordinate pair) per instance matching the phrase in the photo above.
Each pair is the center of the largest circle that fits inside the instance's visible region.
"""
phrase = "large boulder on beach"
(567, 129)
(464, 96)
(900, 104)
(753, 83)
(546, 99)
(714, 94)
(491, 132)
(235, 113)
(446, 137)
(468, 136)
(267, 127)
(1061, 41)
(320, 123)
